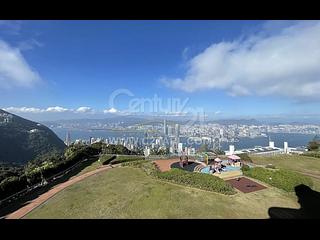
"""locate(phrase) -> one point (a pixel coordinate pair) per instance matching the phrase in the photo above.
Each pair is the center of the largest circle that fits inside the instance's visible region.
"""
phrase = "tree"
(219, 151)
(314, 145)
(160, 151)
(204, 148)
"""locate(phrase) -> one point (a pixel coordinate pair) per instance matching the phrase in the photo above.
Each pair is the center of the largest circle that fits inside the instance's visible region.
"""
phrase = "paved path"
(44, 197)
(165, 164)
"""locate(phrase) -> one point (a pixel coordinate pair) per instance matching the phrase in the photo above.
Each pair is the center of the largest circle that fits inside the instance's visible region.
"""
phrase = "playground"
(225, 167)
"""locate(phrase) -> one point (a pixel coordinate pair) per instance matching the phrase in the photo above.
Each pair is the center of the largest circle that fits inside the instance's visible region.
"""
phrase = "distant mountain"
(22, 140)
(237, 121)
(131, 120)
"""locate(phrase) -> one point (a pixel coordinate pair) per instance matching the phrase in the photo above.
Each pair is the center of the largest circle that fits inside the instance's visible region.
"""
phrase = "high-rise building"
(177, 133)
(165, 129)
(221, 132)
(170, 130)
(68, 139)
(231, 149)
(180, 148)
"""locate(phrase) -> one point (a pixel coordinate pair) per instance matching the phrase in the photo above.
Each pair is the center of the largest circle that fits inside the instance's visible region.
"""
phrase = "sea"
(293, 139)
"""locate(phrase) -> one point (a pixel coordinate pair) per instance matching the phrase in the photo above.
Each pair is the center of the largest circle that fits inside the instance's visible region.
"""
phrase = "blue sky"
(225, 68)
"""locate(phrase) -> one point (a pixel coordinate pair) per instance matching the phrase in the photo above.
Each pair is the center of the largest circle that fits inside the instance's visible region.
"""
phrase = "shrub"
(12, 185)
(136, 163)
(270, 166)
(314, 146)
(192, 179)
(123, 159)
(146, 165)
(245, 167)
(283, 179)
(312, 154)
(197, 180)
(245, 157)
(117, 149)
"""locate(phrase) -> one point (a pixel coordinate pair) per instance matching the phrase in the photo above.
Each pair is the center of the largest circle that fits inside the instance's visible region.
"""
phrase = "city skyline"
(71, 69)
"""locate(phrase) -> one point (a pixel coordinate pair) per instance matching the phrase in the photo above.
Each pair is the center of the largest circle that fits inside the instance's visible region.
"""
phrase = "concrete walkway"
(20, 213)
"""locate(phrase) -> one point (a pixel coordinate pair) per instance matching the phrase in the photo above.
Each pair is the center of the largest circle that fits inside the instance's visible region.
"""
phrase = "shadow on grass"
(19, 203)
(309, 201)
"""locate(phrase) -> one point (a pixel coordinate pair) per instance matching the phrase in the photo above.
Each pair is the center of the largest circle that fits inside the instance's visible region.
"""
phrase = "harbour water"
(293, 139)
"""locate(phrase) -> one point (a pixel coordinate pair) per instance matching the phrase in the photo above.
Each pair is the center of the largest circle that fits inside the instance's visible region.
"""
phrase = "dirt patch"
(245, 185)
(165, 164)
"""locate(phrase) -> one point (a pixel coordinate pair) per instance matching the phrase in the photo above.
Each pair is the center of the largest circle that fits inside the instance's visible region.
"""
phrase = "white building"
(180, 147)
(146, 152)
(271, 144)
(285, 147)
(231, 150)
(270, 150)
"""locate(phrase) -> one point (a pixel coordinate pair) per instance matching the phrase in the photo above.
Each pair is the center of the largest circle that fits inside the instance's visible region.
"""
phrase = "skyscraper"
(180, 148)
(68, 139)
(170, 130)
(177, 132)
(165, 130)
(177, 129)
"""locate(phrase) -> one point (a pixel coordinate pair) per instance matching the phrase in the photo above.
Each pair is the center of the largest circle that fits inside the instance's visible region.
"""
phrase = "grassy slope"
(302, 164)
(130, 193)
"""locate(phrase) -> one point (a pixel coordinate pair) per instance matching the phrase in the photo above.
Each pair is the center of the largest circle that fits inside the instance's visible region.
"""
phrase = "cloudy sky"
(75, 69)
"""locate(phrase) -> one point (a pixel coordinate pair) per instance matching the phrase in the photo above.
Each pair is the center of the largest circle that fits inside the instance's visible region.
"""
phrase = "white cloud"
(23, 110)
(185, 53)
(29, 44)
(14, 70)
(111, 110)
(36, 110)
(84, 110)
(57, 109)
(280, 60)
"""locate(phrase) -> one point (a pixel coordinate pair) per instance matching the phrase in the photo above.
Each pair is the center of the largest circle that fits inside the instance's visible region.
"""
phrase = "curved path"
(44, 197)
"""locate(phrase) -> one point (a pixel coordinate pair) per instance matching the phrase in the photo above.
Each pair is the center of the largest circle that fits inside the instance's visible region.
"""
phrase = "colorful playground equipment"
(184, 160)
(227, 167)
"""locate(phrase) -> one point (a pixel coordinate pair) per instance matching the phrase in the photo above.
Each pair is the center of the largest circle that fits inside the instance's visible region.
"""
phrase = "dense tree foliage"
(245, 157)
(219, 151)
(314, 146)
(117, 149)
(204, 148)
(160, 151)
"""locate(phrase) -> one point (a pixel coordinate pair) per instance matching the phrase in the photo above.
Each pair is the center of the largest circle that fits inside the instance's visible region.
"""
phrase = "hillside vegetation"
(22, 140)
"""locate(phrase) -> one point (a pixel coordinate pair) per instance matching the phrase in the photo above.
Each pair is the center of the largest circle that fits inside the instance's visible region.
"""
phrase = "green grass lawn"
(126, 192)
(96, 164)
(302, 164)
(305, 165)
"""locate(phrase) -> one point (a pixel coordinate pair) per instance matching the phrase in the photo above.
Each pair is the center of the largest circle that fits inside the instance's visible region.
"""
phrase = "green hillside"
(22, 140)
